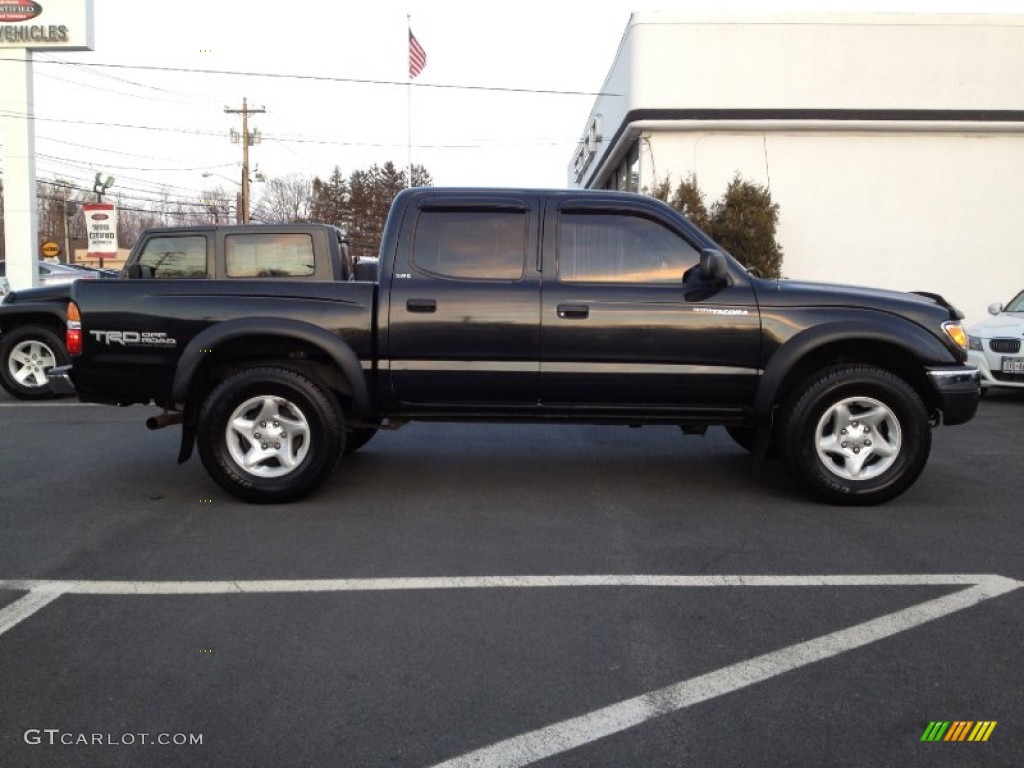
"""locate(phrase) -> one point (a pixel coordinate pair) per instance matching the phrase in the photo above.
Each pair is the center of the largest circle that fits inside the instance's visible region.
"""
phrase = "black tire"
(883, 449)
(270, 435)
(358, 437)
(26, 354)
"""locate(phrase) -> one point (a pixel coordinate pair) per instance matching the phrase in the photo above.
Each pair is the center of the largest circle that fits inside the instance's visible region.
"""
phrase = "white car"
(996, 345)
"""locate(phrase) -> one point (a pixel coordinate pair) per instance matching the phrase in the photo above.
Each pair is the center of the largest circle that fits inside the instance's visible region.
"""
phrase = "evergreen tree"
(744, 222)
(689, 200)
(330, 200)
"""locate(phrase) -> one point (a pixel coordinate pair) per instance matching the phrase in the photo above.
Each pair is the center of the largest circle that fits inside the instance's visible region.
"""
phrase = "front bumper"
(990, 375)
(958, 389)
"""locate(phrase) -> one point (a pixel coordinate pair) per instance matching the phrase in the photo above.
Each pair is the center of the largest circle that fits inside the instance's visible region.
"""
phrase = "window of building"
(620, 248)
(269, 255)
(625, 177)
(471, 245)
(169, 257)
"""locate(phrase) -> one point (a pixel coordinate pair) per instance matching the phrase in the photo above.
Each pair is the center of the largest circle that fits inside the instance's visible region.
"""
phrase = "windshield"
(1016, 303)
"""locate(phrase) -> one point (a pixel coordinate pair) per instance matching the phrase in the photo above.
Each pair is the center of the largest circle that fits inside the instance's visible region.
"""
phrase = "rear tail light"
(73, 337)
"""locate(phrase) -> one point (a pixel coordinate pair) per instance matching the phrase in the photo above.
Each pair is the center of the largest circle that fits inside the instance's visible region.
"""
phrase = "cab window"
(471, 245)
(620, 248)
(255, 255)
(181, 256)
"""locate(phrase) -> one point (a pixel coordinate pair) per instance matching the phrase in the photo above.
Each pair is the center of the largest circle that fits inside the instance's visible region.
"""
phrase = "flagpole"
(417, 61)
(408, 93)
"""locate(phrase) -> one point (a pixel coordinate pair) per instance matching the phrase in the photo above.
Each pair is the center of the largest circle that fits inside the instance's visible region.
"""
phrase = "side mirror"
(995, 308)
(713, 266)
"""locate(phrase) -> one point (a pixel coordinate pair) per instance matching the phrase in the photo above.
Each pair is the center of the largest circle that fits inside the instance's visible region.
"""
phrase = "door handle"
(421, 305)
(573, 311)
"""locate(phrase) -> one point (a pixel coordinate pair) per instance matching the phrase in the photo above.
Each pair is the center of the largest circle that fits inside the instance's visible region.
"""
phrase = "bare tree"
(286, 200)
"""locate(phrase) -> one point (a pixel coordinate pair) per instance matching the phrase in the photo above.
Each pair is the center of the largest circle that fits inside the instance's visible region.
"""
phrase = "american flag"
(417, 56)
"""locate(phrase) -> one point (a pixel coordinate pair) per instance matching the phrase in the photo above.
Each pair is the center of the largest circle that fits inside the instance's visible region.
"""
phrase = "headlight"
(974, 342)
(956, 332)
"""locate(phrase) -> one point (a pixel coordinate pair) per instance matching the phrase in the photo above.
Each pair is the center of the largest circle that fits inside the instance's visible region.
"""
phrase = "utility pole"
(246, 139)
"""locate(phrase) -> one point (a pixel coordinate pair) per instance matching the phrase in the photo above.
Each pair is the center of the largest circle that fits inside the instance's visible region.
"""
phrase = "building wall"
(894, 145)
(935, 212)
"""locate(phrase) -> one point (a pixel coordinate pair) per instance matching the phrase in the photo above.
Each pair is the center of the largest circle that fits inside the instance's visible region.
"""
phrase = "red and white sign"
(19, 10)
(101, 229)
(46, 25)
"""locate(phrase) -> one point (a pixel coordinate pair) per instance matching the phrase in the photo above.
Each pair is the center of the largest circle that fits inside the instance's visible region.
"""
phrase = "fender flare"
(915, 341)
(13, 315)
(340, 352)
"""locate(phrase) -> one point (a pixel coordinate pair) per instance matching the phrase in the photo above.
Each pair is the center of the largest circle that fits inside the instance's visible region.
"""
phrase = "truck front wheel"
(855, 434)
(26, 354)
(270, 435)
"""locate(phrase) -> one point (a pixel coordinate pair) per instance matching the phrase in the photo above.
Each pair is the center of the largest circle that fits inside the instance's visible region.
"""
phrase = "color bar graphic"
(958, 730)
(935, 731)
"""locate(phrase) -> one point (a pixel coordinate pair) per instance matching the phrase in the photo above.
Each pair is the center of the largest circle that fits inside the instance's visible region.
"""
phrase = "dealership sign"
(61, 24)
(19, 10)
(101, 229)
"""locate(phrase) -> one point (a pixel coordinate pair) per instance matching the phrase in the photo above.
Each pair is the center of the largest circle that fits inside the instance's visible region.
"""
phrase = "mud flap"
(189, 425)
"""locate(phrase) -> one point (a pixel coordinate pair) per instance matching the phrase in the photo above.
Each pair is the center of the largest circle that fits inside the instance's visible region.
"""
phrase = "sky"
(503, 99)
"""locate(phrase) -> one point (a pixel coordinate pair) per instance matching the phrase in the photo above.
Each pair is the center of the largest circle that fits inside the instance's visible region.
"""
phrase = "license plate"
(1013, 365)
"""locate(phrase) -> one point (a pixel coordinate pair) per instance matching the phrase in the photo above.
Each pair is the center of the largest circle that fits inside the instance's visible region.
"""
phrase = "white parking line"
(585, 729)
(24, 607)
(80, 587)
(577, 731)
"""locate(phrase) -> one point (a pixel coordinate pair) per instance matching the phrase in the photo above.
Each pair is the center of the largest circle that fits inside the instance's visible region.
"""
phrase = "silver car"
(51, 273)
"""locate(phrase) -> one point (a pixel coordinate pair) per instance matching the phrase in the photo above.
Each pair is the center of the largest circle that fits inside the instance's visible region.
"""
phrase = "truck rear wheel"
(270, 435)
(855, 434)
(26, 354)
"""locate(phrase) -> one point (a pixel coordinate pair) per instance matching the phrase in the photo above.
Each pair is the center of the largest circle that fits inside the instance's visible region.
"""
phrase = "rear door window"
(471, 245)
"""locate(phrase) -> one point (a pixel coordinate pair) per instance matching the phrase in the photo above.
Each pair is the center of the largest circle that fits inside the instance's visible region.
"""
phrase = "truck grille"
(1005, 346)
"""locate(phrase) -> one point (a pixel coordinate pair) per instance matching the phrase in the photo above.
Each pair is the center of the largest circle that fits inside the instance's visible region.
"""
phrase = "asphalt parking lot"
(503, 595)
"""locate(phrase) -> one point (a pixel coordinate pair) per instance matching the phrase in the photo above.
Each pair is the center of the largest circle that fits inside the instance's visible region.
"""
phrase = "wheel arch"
(274, 340)
(220, 349)
(53, 317)
(905, 353)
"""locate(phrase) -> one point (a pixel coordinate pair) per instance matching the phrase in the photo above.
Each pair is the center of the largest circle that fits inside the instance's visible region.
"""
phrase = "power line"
(483, 144)
(331, 79)
(63, 62)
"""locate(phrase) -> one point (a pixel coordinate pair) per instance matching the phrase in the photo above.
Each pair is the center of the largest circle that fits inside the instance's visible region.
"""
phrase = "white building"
(893, 144)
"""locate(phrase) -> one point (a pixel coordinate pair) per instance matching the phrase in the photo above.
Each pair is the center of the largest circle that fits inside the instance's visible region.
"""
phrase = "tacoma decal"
(713, 311)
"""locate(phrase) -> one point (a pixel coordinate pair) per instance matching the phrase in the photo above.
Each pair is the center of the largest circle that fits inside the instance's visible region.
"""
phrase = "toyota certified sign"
(101, 229)
(46, 25)
(19, 10)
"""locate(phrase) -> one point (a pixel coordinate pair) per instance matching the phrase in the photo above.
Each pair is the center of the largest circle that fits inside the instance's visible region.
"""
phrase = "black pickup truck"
(32, 320)
(528, 305)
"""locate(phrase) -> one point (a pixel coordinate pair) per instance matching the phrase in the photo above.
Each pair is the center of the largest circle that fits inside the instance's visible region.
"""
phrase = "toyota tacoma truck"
(527, 305)
(32, 320)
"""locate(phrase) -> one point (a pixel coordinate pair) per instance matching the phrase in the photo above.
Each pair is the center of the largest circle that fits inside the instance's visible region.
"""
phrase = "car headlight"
(956, 333)
(974, 342)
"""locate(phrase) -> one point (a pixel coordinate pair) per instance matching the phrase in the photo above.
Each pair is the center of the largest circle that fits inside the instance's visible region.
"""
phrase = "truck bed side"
(136, 332)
